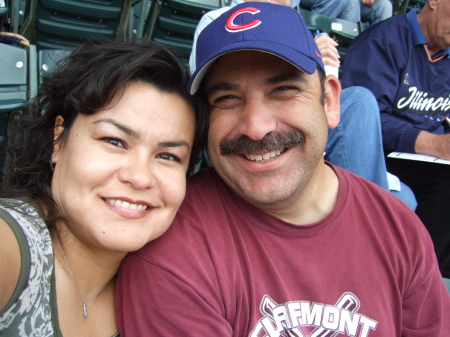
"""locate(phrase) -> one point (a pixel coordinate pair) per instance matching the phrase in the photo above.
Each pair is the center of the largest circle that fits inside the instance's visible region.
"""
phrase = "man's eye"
(225, 102)
(286, 88)
(168, 156)
(285, 92)
(115, 142)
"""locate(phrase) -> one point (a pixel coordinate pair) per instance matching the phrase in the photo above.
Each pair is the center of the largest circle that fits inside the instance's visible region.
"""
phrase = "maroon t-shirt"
(225, 268)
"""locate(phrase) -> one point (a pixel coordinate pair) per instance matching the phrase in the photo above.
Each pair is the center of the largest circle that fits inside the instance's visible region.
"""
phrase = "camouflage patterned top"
(32, 309)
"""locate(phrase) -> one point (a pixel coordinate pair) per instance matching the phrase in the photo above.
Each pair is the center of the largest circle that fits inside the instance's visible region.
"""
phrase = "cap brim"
(296, 58)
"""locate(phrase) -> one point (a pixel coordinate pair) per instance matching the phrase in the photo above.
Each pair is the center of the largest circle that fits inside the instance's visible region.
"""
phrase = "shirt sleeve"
(153, 301)
(426, 301)
(373, 63)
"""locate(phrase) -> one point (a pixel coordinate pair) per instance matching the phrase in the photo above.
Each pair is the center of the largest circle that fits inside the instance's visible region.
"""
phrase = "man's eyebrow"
(291, 77)
(174, 144)
(121, 127)
(219, 87)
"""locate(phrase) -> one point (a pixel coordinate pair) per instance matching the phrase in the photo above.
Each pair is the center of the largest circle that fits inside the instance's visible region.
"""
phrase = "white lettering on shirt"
(419, 102)
(287, 319)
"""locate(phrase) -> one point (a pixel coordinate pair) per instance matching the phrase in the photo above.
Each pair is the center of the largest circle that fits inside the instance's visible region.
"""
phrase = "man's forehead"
(250, 59)
(239, 56)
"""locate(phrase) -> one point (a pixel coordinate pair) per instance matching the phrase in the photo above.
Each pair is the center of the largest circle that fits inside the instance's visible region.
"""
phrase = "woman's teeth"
(125, 204)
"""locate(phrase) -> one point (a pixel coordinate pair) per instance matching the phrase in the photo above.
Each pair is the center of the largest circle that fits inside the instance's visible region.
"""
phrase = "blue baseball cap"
(260, 26)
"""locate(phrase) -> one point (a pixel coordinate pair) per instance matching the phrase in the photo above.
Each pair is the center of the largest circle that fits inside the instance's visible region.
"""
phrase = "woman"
(103, 173)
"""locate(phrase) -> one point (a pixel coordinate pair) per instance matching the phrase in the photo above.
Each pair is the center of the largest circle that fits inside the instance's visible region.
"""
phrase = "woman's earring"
(52, 166)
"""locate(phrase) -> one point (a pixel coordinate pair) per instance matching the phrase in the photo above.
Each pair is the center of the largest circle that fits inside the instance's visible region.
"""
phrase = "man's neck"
(316, 201)
(427, 22)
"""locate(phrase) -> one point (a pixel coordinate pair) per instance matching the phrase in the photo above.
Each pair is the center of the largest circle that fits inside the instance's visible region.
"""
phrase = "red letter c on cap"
(232, 28)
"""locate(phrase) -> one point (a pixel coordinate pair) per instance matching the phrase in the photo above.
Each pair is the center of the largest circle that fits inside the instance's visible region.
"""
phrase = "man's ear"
(433, 4)
(59, 128)
(332, 100)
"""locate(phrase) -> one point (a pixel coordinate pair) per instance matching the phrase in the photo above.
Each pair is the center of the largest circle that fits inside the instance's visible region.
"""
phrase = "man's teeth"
(262, 157)
(125, 204)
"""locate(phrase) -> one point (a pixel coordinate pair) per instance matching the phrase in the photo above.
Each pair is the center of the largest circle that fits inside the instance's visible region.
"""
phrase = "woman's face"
(120, 175)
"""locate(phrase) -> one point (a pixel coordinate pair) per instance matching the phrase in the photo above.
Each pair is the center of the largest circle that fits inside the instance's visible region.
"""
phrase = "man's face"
(443, 23)
(268, 128)
(436, 26)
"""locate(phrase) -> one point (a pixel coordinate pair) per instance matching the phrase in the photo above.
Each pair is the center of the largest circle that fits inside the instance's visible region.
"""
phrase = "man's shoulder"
(379, 211)
(201, 210)
(362, 191)
(386, 30)
(204, 184)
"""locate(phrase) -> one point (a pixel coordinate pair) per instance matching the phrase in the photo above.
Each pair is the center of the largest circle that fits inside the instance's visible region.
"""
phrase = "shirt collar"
(417, 34)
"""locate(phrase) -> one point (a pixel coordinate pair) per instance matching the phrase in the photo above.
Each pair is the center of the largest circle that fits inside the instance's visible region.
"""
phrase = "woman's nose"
(138, 172)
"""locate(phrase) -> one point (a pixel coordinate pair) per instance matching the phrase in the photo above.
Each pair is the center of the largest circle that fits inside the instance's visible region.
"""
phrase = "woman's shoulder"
(29, 306)
(10, 264)
(24, 217)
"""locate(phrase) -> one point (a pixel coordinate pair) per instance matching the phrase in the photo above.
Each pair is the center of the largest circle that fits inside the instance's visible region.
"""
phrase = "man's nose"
(256, 119)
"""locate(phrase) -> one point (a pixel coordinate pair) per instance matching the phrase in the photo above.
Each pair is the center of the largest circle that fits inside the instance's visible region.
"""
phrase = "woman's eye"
(115, 142)
(168, 156)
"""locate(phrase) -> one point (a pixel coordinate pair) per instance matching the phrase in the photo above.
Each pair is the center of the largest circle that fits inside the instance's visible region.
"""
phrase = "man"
(272, 240)
(405, 62)
(356, 149)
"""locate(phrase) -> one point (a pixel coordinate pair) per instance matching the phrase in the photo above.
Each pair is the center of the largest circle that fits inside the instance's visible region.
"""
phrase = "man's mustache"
(271, 142)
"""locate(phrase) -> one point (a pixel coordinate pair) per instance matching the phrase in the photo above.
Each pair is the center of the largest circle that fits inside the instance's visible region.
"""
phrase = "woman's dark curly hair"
(88, 79)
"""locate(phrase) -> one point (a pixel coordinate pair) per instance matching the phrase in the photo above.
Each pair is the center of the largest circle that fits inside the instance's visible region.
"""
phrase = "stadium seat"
(139, 20)
(404, 6)
(447, 283)
(13, 88)
(4, 120)
(415, 4)
(399, 7)
(42, 62)
(315, 21)
(19, 10)
(14, 79)
(342, 31)
(47, 60)
(67, 23)
(4, 11)
(60, 24)
(173, 23)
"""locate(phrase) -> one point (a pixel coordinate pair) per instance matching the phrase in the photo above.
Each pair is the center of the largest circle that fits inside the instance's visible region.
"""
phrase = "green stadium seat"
(13, 89)
(415, 4)
(48, 58)
(42, 62)
(139, 20)
(173, 23)
(4, 11)
(64, 24)
(342, 31)
(404, 6)
(14, 79)
(447, 283)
